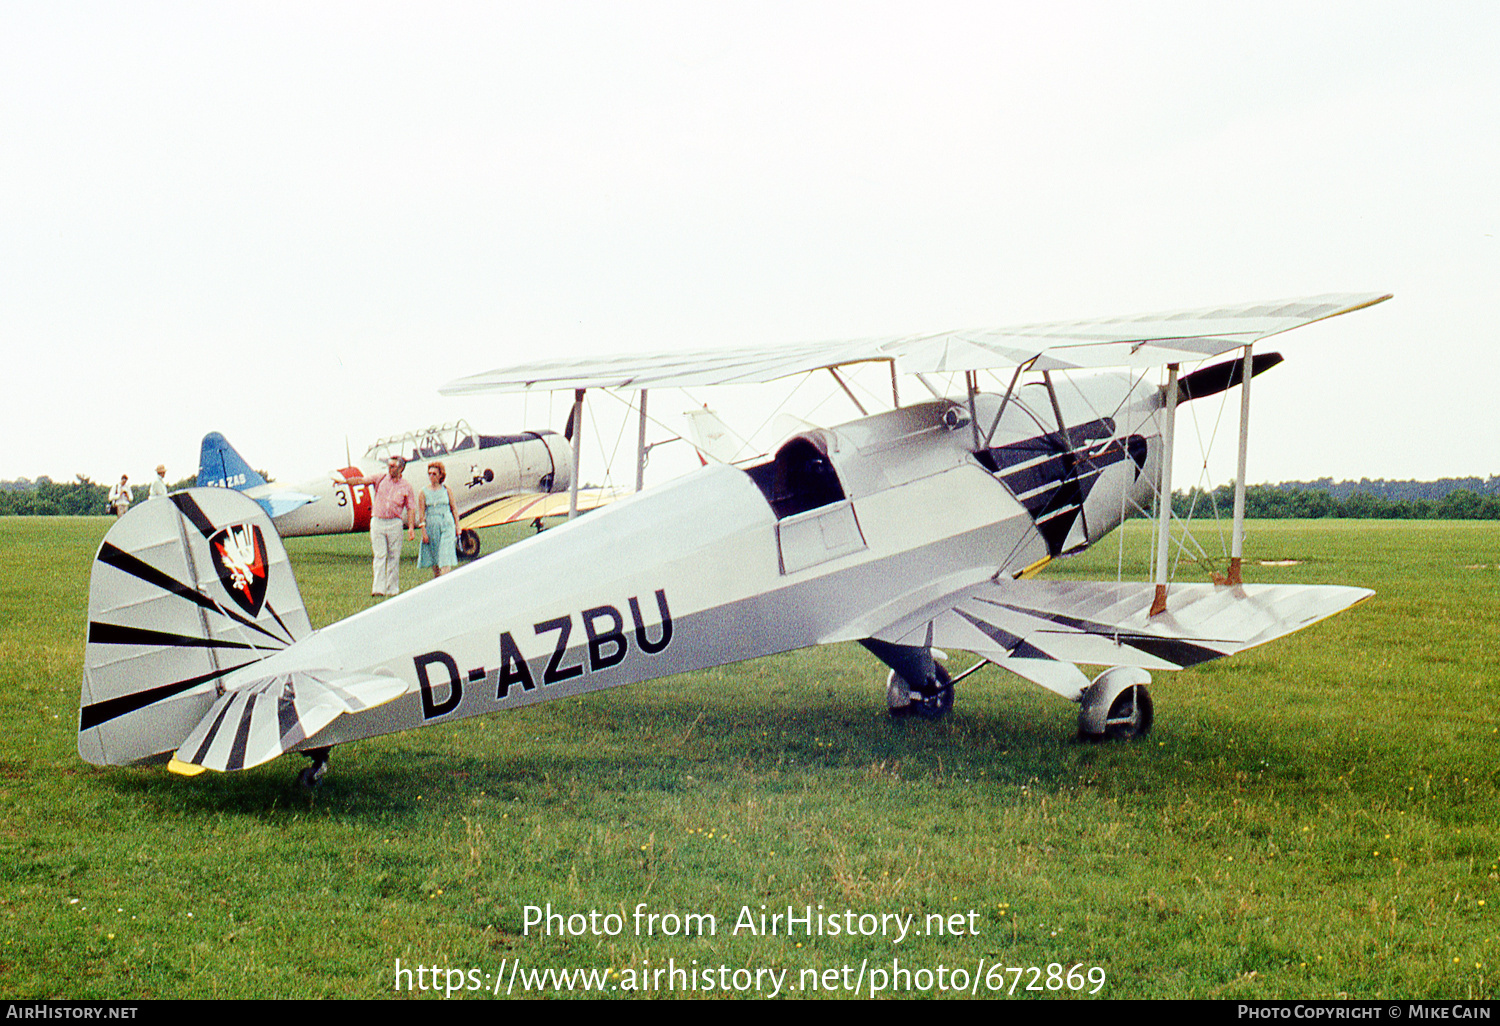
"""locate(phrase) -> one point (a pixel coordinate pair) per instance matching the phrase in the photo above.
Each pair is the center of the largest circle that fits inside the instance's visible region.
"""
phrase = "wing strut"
(1005, 400)
(1237, 542)
(577, 420)
(1164, 495)
(1062, 425)
(971, 379)
(857, 404)
(929, 386)
(640, 448)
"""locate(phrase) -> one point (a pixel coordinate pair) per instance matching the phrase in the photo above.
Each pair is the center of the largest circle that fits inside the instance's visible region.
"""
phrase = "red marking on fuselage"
(361, 498)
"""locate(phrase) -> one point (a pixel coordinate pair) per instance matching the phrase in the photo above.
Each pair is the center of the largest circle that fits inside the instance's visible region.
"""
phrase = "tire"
(1130, 714)
(931, 703)
(469, 545)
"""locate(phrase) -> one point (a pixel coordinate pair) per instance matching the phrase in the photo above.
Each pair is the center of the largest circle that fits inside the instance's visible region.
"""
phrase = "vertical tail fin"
(711, 436)
(220, 466)
(183, 593)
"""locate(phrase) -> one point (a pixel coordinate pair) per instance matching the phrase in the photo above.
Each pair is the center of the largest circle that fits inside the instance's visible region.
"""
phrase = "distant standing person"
(435, 518)
(159, 485)
(394, 502)
(119, 496)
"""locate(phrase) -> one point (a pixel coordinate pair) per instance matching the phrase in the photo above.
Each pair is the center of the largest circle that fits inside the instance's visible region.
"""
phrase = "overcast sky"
(292, 222)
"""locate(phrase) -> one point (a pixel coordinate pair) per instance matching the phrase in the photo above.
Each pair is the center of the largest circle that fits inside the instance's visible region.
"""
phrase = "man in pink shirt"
(392, 496)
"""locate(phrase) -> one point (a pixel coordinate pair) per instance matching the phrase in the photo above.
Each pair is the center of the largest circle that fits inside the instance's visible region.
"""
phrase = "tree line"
(1447, 499)
(80, 497)
(1396, 491)
(1274, 502)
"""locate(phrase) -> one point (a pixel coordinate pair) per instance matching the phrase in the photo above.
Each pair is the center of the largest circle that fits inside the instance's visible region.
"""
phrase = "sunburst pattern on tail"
(184, 593)
(271, 716)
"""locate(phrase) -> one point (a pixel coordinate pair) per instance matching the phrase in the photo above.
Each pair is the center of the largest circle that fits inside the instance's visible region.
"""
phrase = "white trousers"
(385, 543)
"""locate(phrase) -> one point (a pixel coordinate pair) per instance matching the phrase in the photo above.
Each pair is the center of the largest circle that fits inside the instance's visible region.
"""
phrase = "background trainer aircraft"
(907, 531)
(496, 479)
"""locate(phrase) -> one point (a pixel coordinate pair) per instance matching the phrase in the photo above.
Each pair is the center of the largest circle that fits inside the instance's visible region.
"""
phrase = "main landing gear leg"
(311, 775)
(931, 698)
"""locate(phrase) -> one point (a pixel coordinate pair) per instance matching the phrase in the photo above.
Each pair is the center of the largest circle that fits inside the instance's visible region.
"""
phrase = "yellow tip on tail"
(185, 769)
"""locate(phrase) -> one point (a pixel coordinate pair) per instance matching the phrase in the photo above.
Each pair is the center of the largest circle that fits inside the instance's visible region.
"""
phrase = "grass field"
(1316, 818)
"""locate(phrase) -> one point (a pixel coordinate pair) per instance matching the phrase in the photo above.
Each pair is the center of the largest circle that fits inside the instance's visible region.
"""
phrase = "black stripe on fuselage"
(1052, 480)
(1039, 477)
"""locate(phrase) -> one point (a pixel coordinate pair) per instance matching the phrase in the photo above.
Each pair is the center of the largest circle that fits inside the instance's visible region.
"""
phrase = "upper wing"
(1139, 341)
(1107, 624)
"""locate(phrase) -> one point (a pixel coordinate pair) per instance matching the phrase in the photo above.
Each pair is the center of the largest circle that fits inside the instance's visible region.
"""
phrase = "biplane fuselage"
(848, 530)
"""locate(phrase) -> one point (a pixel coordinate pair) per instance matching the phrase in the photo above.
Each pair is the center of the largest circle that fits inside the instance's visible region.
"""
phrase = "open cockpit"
(800, 478)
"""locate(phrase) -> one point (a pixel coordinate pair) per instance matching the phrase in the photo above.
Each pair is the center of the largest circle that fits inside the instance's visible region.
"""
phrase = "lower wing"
(514, 508)
(1031, 626)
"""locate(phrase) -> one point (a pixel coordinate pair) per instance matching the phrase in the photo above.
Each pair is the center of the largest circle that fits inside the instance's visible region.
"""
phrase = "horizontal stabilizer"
(1107, 624)
(277, 504)
(271, 716)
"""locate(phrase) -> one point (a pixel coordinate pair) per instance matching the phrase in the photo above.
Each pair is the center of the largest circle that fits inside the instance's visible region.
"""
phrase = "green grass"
(1314, 818)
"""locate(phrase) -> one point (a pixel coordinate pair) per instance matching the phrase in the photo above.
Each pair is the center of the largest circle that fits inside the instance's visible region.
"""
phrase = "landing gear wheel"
(933, 701)
(312, 775)
(1130, 715)
(468, 544)
(1117, 706)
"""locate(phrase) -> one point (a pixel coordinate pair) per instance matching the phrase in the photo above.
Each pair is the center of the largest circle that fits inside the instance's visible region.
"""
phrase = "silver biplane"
(909, 531)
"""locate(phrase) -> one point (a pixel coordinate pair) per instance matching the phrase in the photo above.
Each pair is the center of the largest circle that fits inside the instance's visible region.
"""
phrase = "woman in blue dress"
(435, 508)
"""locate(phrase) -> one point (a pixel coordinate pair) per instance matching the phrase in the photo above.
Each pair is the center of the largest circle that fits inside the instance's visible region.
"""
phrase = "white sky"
(292, 222)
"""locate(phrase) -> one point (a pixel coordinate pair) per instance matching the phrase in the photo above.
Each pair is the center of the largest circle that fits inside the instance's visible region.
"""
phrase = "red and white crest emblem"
(240, 558)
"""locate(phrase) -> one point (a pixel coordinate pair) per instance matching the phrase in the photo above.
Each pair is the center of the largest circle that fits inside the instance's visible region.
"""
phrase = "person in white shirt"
(159, 486)
(119, 496)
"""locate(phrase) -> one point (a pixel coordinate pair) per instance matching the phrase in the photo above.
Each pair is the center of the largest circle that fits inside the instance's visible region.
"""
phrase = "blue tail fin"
(219, 466)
